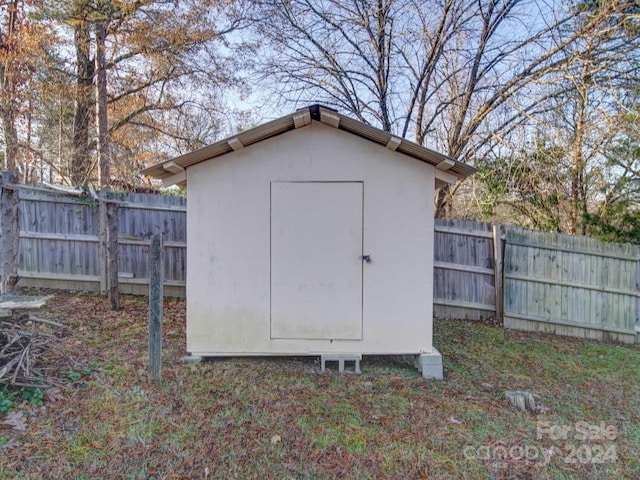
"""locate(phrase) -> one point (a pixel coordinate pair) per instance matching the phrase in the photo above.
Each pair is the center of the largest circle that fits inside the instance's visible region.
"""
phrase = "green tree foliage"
(583, 172)
(616, 216)
(530, 184)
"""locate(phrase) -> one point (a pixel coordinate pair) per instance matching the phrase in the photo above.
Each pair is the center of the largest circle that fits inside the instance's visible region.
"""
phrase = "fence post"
(102, 246)
(112, 255)
(498, 255)
(156, 265)
(638, 300)
(108, 249)
(10, 233)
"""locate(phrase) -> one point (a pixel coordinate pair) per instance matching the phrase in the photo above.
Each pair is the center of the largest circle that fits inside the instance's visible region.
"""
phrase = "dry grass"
(281, 418)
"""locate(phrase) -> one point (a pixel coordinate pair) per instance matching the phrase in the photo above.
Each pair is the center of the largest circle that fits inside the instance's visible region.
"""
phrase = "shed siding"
(228, 222)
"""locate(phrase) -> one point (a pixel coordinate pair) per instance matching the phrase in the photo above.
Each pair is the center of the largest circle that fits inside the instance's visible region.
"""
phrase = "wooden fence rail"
(534, 280)
(571, 285)
(466, 281)
(62, 241)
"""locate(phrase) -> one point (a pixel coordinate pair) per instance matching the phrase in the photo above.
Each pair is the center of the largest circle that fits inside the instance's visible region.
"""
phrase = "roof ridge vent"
(314, 110)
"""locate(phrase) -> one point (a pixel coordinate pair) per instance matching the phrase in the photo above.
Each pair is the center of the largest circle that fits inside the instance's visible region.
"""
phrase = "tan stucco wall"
(228, 244)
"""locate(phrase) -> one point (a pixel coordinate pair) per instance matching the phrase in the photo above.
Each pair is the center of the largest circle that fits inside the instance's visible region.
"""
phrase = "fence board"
(638, 303)
(60, 238)
(464, 270)
(547, 282)
(142, 216)
(570, 285)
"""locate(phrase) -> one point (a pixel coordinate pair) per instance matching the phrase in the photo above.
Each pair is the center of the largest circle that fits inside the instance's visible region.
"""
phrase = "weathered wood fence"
(62, 241)
(534, 280)
(571, 285)
(539, 281)
(467, 279)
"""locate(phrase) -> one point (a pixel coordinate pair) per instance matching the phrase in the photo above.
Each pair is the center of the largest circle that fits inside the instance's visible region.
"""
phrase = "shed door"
(316, 266)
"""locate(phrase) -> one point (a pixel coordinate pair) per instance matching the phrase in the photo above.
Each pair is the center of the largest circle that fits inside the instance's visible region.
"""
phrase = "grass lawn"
(280, 418)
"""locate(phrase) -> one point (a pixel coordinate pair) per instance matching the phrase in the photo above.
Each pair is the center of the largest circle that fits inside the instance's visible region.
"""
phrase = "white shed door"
(316, 265)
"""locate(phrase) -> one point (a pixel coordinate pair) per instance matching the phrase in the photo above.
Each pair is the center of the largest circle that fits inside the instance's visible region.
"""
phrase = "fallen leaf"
(454, 421)
(16, 420)
(53, 395)
(97, 445)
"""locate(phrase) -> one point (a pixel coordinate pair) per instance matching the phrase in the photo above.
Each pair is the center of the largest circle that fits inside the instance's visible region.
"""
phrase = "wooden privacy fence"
(534, 280)
(571, 285)
(62, 241)
(467, 279)
(537, 281)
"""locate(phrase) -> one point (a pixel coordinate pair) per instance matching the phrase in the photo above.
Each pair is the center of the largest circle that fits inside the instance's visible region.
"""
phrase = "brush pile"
(26, 343)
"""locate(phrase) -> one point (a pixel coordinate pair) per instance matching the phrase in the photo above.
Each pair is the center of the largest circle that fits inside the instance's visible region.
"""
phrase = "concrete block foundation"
(353, 359)
(430, 364)
(191, 359)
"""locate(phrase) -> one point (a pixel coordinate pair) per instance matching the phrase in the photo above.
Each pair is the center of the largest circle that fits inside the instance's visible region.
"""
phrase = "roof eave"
(300, 119)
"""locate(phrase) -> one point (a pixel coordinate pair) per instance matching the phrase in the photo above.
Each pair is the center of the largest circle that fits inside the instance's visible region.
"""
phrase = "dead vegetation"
(28, 346)
(282, 418)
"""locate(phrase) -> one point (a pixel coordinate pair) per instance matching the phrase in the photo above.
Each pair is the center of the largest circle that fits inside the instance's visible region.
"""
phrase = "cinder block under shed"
(346, 363)
(430, 365)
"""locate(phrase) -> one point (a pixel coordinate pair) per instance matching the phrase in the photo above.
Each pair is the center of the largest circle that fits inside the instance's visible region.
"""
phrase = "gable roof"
(448, 170)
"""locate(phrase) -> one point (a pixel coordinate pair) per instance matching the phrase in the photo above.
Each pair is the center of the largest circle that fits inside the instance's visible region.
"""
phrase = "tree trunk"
(384, 59)
(9, 237)
(101, 107)
(576, 208)
(10, 137)
(8, 90)
(443, 202)
(80, 161)
(104, 160)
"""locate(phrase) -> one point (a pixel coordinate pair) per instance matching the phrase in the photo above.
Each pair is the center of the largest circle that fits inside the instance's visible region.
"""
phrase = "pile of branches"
(25, 344)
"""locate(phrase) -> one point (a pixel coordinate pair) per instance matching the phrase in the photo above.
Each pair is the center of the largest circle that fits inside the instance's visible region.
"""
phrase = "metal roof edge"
(292, 121)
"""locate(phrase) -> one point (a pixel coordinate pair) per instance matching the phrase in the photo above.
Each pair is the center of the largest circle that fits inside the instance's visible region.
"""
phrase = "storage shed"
(311, 235)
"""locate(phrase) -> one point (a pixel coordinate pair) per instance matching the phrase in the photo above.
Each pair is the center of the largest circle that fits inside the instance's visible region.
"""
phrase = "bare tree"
(457, 75)
(103, 152)
(561, 172)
